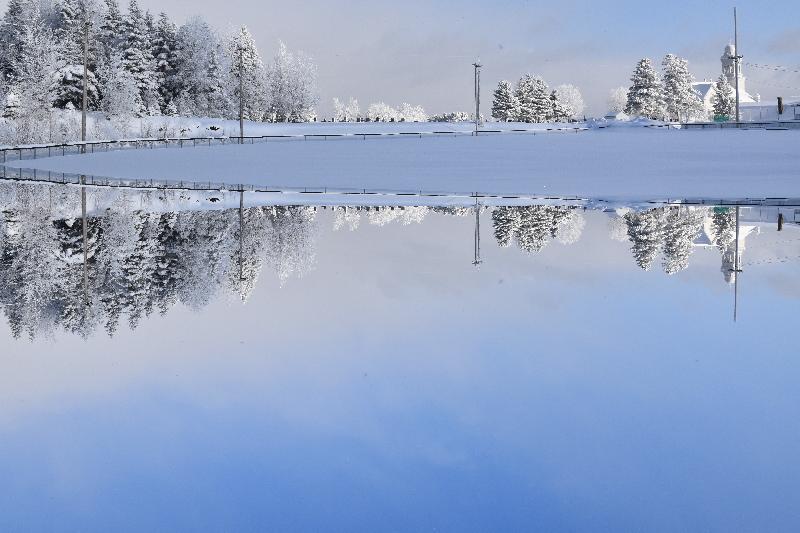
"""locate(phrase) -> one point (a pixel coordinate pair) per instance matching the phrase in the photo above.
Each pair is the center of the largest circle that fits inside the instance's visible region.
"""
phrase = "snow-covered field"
(632, 163)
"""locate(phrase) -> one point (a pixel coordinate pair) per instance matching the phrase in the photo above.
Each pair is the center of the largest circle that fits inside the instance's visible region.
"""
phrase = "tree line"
(671, 95)
(531, 100)
(139, 64)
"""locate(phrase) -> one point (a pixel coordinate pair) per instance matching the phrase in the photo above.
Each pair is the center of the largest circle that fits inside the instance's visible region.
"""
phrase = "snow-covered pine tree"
(70, 17)
(617, 100)
(646, 96)
(216, 93)
(138, 58)
(120, 94)
(571, 101)
(164, 47)
(533, 99)
(682, 103)
(111, 34)
(724, 99)
(558, 113)
(18, 16)
(247, 70)
(292, 86)
(504, 105)
(34, 69)
(646, 233)
(68, 88)
(196, 42)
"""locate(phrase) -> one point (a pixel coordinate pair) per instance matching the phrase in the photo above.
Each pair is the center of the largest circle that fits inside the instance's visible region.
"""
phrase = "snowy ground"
(632, 163)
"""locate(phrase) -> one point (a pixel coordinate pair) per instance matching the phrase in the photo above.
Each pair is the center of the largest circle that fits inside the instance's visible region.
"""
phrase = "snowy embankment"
(630, 163)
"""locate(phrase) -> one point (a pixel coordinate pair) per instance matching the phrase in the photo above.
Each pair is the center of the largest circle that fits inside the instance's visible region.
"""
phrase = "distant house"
(768, 112)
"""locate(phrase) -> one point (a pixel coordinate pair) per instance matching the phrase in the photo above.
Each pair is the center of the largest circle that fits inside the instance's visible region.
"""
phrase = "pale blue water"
(395, 387)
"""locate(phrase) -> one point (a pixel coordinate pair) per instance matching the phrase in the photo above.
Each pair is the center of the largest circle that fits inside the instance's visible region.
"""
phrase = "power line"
(777, 68)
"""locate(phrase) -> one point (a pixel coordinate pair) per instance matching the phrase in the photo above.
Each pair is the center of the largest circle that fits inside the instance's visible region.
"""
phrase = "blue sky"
(396, 388)
(420, 52)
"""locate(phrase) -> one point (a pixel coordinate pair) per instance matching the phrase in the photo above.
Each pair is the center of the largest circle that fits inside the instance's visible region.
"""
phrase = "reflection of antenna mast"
(85, 243)
(477, 260)
(241, 244)
(736, 271)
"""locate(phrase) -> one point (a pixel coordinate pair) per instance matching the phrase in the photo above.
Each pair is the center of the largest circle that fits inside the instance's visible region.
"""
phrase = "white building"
(706, 89)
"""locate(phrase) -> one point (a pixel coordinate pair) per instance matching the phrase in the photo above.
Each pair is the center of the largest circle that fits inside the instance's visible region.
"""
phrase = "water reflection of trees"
(139, 262)
(671, 232)
(146, 252)
(532, 228)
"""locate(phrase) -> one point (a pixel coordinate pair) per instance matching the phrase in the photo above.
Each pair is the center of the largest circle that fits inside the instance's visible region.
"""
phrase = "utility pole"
(85, 84)
(241, 94)
(737, 56)
(477, 66)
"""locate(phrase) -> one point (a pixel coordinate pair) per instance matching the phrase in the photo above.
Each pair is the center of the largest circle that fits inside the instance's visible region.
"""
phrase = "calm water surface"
(301, 368)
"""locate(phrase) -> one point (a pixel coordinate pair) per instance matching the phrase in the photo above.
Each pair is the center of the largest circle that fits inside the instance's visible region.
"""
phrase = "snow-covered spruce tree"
(247, 70)
(292, 87)
(683, 226)
(533, 99)
(505, 221)
(617, 100)
(682, 103)
(111, 34)
(33, 81)
(217, 97)
(570, 100)
(69, 20)
(196, 44)
(504, 105)
(164, 52)
(121, 95)
(18, 15)
(138, 59)
(68, 88)
(646, 233)
(646, 96)
(724, 99)
(558, 112)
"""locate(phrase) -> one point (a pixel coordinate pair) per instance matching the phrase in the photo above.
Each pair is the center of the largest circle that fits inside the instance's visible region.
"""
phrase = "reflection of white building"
(707, 89)
(706, 240)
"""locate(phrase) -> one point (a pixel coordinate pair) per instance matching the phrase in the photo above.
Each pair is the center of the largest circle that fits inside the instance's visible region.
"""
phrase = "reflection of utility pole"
(85, 84)
(477, 260)
(241, 244)
(85, 244)
(477, 66)
(736, 271)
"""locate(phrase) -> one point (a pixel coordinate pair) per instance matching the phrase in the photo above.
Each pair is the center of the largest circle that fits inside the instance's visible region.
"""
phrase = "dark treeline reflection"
(673, 232)
(149, 250)
(138, 261)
